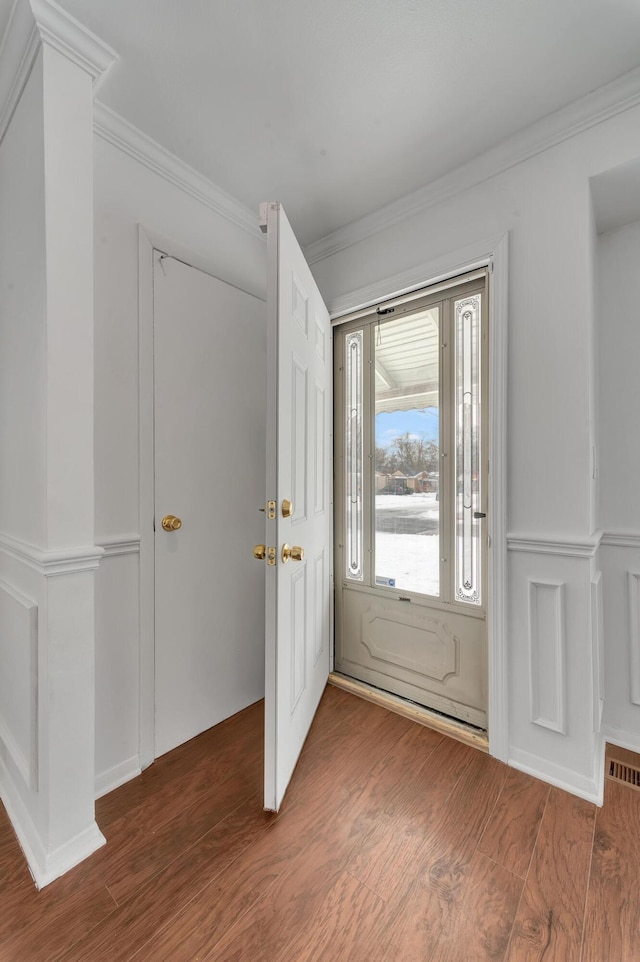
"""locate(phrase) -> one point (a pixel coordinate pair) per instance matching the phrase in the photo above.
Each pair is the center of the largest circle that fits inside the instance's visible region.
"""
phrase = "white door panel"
(299, 417)
(209, 374)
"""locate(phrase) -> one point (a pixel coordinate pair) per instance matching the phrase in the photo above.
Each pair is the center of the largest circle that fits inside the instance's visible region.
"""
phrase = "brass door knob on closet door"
(171, 523)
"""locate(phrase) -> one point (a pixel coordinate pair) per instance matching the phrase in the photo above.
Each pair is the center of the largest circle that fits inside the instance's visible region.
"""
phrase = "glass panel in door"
(406, 355)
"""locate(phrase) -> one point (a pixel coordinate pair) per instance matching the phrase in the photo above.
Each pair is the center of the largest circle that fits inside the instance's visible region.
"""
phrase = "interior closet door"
(209, 385)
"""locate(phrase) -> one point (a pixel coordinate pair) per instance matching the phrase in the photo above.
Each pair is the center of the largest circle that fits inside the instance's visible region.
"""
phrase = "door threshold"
(417, 713)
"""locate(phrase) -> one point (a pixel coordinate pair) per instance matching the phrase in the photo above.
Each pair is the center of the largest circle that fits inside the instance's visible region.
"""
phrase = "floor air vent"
(627, 774)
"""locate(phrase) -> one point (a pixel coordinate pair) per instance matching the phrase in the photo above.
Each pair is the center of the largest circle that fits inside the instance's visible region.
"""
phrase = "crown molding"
(49, 562)
(32, 23)
(18, 50)
(117, 131)
(603, 104)
(69, 37)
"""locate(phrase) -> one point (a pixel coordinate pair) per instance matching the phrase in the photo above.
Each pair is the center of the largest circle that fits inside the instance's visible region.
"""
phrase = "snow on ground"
(412, 559)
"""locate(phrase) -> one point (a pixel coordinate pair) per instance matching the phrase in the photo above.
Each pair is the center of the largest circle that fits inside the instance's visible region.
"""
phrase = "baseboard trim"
(117, 775)
(621, 738)
(591, 789)
(45, 866)
(460, 732)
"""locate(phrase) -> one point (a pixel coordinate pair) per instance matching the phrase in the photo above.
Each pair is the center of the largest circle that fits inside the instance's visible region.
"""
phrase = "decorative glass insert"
(468, 493)
(353, 374)
(407, 453)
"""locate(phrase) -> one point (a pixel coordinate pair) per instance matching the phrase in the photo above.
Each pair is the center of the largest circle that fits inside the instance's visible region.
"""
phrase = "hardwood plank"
(550, 917)
(399, 828)
(38, 925)
(289, 872)
(511, 832)
(429, 897)
(153, 906)
(482, 913)
(336, 932)
(304, 838)
(155, 793)
(612, 930)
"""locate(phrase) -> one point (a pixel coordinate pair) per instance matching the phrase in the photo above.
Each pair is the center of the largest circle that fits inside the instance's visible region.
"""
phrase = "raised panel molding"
(547, 644)
(19, 682)
(597, 636)
(634, 635)
(440, 647)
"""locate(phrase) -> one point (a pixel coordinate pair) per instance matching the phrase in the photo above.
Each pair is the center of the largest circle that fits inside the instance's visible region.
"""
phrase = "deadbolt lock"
(287, 508)
(171, 523)
(295, 553)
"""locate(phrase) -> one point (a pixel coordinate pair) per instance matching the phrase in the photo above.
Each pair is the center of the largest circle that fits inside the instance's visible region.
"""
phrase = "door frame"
(492, 253)
(148, 242)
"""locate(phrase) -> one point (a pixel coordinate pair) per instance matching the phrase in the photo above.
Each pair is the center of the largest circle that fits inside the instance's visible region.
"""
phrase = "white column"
(47, 554)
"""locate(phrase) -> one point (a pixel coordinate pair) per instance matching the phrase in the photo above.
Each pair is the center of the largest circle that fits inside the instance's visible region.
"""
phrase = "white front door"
(209, 384)
(298, 501)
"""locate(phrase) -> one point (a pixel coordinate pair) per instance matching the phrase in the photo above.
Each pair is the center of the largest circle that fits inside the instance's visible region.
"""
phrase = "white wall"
(544, 204)
(127, 194)
(619, 468)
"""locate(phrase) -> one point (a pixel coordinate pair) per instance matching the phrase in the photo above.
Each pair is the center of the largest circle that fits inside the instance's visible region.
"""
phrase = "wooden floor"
(394, 843)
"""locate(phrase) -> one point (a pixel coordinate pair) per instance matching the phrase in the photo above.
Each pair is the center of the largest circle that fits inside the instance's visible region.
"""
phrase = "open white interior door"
(299, 622)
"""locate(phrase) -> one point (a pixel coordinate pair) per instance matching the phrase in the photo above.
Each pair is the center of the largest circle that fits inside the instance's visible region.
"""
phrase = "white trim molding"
(32, 23)
(634, 635)
(590, 788)
(20, 619)
(45, 865)
(117, 545)
(547, 544)
(50, 562)
(69, 37)
(117, 775)
(622, 539)
(442, 269)
(117, 131)
(18, 50)
(547, 644)
(603, 104)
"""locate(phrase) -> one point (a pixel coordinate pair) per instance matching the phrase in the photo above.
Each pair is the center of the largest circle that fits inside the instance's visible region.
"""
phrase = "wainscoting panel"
(19, 681)
(634, 635)
(547, 654)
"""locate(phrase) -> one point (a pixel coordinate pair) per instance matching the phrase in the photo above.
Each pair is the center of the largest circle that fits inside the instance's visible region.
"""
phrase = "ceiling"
(338, 107)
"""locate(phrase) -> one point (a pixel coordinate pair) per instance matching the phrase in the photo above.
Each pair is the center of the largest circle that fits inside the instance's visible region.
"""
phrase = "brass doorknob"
(295, 553)
(171, 523)
(260, 551)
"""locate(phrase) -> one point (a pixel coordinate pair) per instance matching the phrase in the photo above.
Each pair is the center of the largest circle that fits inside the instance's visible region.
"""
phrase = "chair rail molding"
(51, 562)
(567, 547)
